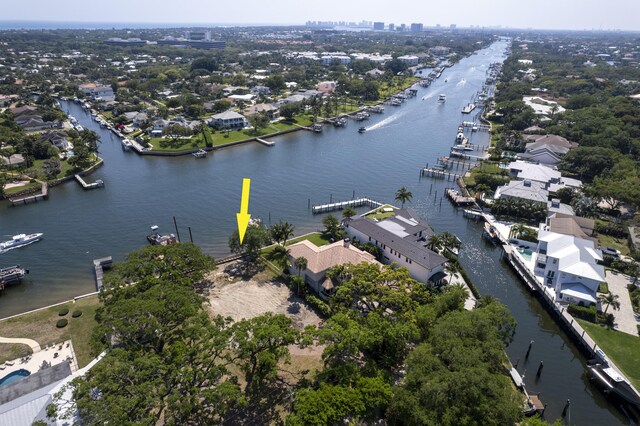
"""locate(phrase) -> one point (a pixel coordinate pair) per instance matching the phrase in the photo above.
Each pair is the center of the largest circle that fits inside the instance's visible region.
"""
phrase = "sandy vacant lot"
(241, 298)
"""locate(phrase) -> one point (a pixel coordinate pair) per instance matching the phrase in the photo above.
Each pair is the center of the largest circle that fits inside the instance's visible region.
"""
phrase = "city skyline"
(547, 14)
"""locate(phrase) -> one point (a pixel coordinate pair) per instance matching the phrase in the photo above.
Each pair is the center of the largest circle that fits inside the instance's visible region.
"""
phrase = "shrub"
(612, 230)
(64, 311)
(62, 323)
(587, 314)
(76, 314)
(321, 306)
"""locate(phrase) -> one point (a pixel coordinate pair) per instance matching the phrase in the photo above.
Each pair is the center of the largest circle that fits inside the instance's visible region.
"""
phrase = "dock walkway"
(264, 142)
(459, 199)
(86, 186)
(99, 265)
(358, 202)
(438, 172)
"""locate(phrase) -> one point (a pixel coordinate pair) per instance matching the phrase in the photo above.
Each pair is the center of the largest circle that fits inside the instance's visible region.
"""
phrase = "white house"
(569, 265)
(551, 178)
(103, 93)
(546, 149)
(320, 259)
(228, 120)
(409, 60)
(403, 241)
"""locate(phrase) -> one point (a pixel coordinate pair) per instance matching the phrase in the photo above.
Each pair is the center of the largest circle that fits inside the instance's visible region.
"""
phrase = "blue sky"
(547, 14)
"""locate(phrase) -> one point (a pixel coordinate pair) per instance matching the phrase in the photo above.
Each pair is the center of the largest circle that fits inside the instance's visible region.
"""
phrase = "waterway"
(301, 168)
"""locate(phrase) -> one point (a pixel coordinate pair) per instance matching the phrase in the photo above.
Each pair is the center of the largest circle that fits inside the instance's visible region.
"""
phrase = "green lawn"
(41, 327)
(622, 348)
(379, 214)
(168, 145)
(222, 137)
(9, 192)
(616, 243)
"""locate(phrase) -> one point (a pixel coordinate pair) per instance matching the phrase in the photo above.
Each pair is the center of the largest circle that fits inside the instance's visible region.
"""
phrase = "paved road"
(625, 320)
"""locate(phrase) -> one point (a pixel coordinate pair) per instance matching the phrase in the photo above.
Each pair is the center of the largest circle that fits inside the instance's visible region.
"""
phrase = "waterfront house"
(580, 227)
(58, 139)
(103, 94)
(569, 265)
(228, 120)
(409, 60)
(527, 190)
(551, 178)
(321, 259)
(271, 111)
(158, 127)
(546, 149)
(402, 239)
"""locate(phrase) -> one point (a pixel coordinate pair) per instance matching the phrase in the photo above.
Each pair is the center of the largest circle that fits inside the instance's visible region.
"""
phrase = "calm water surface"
(205, 195)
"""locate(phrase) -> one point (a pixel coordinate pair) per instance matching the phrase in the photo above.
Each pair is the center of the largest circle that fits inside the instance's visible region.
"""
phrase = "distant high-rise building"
(453, 26)
(378, 26)
(392, 27)
(416, 28)
(403, 27)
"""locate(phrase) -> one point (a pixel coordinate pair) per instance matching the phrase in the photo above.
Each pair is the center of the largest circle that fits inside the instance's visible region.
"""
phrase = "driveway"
(625, 321)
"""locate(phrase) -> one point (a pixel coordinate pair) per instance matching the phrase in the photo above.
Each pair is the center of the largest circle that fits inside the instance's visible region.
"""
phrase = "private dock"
(99, 265)
(11, 274)
(478, 126)
(438, 172)
(43, 195)
(359, 202)
(87, 186)
(458, 199)
(473, 214)
(264, 142)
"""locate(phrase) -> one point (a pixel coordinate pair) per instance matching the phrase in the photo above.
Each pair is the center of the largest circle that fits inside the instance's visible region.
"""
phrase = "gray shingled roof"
(408, 246)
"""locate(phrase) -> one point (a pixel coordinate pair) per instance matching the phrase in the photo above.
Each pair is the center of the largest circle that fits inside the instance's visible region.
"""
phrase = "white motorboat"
(442, 97)
(20, 240)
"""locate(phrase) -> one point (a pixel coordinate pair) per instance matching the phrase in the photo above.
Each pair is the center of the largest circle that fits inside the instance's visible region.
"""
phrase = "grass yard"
(168, 145)
(14, 190)
(616, 243)
(41, 327)
(380, 214)
(622, 348)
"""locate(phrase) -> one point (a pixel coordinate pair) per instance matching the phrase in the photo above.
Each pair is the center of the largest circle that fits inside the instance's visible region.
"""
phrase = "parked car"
(610, 251)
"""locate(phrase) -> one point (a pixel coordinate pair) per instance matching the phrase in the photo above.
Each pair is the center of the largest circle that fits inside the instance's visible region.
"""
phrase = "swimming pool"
(525, 252)
(14, 377)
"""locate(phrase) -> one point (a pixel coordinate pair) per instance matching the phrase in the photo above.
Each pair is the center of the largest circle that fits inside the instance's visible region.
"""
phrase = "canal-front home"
(228, 120)
(569, 265)
(403, 239)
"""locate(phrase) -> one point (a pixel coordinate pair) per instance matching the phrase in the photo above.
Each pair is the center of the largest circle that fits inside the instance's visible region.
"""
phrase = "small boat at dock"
(201, 153)
(470, 107)
(126, 144)
(316, 128)
(20, 240)
(614, 383)
(157, 239)
(491, 233)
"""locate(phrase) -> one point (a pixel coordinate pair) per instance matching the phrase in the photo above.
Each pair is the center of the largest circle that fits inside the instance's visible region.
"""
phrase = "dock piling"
(539, 369)
(528, 350)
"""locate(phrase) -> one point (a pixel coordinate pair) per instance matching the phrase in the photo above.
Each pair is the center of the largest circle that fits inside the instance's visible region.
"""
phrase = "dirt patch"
(247, 297)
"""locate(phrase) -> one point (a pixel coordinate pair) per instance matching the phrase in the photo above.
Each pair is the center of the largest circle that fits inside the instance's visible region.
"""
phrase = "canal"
(204, 194)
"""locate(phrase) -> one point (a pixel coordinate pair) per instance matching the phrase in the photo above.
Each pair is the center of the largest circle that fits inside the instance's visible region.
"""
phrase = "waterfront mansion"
(403, 241)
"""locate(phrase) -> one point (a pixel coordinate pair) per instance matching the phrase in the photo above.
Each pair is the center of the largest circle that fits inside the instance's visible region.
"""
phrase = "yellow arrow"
(244, 216)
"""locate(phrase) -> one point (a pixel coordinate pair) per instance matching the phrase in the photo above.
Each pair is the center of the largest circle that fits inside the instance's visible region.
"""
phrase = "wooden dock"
(264, 142)
(11, 274)
(99, 265)
(43, 195)
(358, 202)
(87, 186)
(458, 199)
(438, 172)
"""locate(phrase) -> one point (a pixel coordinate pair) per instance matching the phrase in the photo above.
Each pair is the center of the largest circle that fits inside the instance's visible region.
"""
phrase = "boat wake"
(461, 82)
(385, 122)
(429, 96)
(15, 247)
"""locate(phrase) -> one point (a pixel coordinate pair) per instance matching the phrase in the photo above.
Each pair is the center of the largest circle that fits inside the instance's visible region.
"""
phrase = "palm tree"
(611, 300)
(452, 268)
(281, 232)
(348, 212)
(301, 264)
(434, 242)
(403, 195)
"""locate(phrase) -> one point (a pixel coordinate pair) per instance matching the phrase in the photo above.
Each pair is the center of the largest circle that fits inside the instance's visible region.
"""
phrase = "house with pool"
(569, 265)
